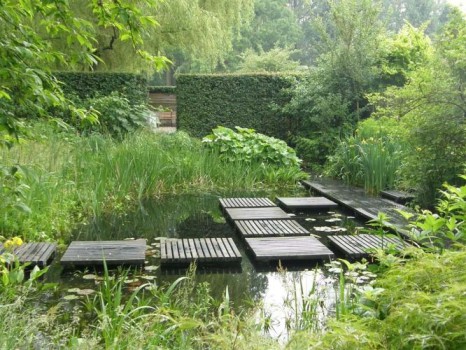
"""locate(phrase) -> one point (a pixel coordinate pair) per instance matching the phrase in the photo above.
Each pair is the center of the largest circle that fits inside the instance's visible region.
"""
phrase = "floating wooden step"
(270, 228)
(358, 246)
(34, 253)
(288, 248)
(246, 203)
(269, 213)
(199, 250)
(397, 196)
(294, 203)
(94, 253)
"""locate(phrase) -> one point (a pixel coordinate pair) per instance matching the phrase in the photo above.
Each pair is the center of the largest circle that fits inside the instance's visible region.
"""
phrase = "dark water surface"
(192, 216)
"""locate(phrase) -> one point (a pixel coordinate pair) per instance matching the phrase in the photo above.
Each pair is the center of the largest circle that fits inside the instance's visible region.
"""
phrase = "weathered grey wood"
(294, 203)
(397, 196)
(33, 253)
(270, 228)
(357, 200)
(94, 253)
(269, 213)
(199, 250)
(359, 246)
(246, 203)
(288, 248)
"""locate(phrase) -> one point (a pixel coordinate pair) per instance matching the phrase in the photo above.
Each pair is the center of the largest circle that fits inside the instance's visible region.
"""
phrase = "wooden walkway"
(246, 203)
(397, 196)
(270, 213)
(295, 203)
(270, 228)
(33, 253)
(288, 248)
(199, 250)
(359, 246)
(357, 200)
(95, 253)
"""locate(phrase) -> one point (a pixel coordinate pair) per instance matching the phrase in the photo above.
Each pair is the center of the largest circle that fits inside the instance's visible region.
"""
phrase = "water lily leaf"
(71, 297)
(90, 277)
(151, 268)
(85, 292)
(148, 277)
(333, 220)
(73, 290)
(310, 219)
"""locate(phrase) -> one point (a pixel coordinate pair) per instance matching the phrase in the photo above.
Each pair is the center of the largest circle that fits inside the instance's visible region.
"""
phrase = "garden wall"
(87, 84)
(245, 100)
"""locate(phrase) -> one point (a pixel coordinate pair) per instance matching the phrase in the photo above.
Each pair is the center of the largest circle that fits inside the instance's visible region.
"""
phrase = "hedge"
(245, 100)
(86, 85)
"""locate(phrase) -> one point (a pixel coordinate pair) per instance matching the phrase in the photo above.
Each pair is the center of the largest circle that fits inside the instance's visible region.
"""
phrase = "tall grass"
(72, 179)
(369, 162)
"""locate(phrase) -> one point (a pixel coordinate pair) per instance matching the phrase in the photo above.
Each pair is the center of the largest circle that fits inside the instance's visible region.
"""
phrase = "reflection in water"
(282, 294)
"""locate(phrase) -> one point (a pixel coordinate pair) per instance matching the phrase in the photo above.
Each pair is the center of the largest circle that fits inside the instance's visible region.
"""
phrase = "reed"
(73, 179)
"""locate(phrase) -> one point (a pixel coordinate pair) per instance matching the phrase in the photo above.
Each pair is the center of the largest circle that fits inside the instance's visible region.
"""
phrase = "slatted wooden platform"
(38, 253)
(294, 203)
(288, 248)
(270, 213)
(246, 203)
(200, 250)
(94, 253)
(270, 228)
(358, 246)
(397, 196)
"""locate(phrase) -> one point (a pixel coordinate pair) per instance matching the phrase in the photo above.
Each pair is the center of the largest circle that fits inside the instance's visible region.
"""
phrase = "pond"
(280, 293)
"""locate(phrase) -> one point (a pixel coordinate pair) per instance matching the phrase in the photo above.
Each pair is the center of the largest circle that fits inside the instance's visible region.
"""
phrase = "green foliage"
(447, 226)
(274, 60)
(73, 179)
(430, 111)
(370, 159)
(89, 85)
(117, 116)
(245, 145)
(248, 101)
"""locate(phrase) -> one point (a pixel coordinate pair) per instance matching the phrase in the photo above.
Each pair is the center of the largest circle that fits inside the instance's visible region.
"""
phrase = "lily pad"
(85, 292)
(90, 277)
(151, 268)
(71, 297)
(310, 219)
(333, 220)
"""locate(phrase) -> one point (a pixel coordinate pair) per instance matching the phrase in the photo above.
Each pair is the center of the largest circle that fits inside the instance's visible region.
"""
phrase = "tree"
(274, 60)
(431, 110)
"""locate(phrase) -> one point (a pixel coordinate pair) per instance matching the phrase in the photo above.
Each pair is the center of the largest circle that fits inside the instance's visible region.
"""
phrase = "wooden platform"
(358, 246)
(270, 228)
(200, 250)
(361, 203)
(294, 203)
(39, 253)
(94, 253)
(246, 203)
(269, 213)
(397, 196)
(288, 248)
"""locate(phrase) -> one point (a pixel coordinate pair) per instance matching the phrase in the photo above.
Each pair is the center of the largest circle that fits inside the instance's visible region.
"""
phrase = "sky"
(460, 3)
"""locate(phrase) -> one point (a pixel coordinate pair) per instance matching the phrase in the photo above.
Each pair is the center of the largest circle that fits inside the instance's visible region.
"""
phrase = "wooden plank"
(306, 203)
(270, 228)
(88, 253)
(33, 253)
(288, 248)
(269, 213)
(203, 250)
(397, 196)
(358, 246)
(246, 202)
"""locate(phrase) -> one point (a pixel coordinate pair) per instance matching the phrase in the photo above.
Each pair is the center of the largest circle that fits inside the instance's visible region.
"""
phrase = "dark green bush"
(162, 89)
(245, 100)
(88, 85)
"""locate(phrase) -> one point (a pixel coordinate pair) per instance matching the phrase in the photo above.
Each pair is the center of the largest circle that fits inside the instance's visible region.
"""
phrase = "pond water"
(280, 293)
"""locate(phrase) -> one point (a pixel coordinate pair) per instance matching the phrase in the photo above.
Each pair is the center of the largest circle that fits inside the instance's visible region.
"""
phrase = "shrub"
(246, 145)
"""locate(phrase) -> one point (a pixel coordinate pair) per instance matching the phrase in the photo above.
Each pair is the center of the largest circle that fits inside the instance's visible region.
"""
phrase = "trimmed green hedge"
(245, 100)
(87, 85)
